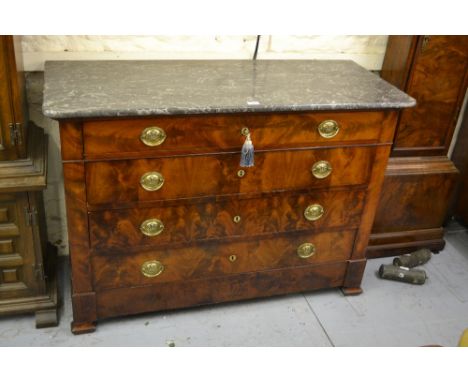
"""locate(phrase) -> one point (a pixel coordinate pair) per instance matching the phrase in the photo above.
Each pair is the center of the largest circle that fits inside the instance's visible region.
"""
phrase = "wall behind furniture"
(368, 51)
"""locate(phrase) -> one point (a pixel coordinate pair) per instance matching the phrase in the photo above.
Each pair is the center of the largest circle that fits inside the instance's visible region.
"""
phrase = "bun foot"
(348, 291)
(83, 327)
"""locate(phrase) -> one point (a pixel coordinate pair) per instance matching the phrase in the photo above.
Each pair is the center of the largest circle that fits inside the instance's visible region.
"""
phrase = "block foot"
(83, 327)
(46, 318)
(348, 291)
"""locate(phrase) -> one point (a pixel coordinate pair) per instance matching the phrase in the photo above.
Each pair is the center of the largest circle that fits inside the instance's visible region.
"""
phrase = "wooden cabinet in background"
(27, 274)
(13, 115)
(420, 179)
(460, 158)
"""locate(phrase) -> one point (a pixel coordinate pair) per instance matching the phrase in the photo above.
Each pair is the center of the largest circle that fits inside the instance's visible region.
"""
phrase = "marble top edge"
(85, 89)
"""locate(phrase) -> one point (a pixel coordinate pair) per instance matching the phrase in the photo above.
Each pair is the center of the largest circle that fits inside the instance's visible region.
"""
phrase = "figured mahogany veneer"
(210, 260)
(117, 182)
(221, 133)
(225, 237)
(184, 223)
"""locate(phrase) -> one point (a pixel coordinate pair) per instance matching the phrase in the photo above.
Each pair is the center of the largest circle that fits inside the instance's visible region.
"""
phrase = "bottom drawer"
(217, 259)
(182, 294)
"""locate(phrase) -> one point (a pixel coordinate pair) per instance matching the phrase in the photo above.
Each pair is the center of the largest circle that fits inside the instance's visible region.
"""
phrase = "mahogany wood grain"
(416, 194)
(210, 260)
(372, 200)
(71, 140)
(438, 81)
(164, 296)
(115, 182)
(420, 179)
(222, 133)
(398, 59)
(399, 243)
(184, 223)
(460, 158)
(104, 161)
(83, 296)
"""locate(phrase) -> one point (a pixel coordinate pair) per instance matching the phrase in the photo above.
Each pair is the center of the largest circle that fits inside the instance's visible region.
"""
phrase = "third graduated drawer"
(120, 183)
(121, 229)
(172, 135)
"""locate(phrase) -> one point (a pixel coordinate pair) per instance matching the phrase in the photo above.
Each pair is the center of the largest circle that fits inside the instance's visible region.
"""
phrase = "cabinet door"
(438, 80)
(12, 101)
(21, 268)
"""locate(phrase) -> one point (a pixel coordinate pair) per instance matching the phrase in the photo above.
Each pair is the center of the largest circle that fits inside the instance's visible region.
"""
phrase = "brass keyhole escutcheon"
(328, 129)
(241, 173)
(321, 169)
(152, 181)
(306, 250)
(153, 136)
(152, 227)
(236, 219)
(232, 258)
(314, 212)
(245, 131)
(152, 268)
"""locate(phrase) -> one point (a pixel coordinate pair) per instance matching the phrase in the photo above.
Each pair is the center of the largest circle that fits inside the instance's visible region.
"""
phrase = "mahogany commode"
(162, 216)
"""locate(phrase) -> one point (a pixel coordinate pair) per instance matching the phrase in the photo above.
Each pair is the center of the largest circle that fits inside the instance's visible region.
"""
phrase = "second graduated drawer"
(172, 135)
(120, 182)
(184, 223)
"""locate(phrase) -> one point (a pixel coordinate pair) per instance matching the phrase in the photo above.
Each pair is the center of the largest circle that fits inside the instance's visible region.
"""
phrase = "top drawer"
(172, 135)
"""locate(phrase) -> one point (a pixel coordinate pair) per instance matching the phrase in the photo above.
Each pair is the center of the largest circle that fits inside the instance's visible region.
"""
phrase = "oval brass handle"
(321, 169)
(236, 219)
(245, 131)
(153, 136)
(241, 173)
(152, 268)
(306, 250)
(152, 181)
(152, 227)
(232, 258)
(313, 212)
(328, 128)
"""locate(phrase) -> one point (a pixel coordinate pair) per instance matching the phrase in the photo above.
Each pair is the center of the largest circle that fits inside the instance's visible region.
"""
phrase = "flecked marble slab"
(75, 89)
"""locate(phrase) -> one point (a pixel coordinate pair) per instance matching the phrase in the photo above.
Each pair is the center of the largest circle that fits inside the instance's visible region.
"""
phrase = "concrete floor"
(387, 314)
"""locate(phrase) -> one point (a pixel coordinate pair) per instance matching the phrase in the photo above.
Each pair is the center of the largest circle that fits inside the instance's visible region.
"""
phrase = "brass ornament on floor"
(419, 257)
(406, 275)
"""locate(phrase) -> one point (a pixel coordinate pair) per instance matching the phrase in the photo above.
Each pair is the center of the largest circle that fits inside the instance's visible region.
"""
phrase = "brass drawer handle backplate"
(153, 136)
(152, 268)
(306, 250)
(328, 128)
(321, 169)
(152, 181)
(152, 227)
(314, 212)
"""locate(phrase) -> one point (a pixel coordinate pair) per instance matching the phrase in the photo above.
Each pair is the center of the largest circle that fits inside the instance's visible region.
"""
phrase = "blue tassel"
(247, 153)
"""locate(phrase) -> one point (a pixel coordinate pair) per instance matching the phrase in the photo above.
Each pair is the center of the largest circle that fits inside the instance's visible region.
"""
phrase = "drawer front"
(163, 296)
(146, 227)
(118, 182)
(206, 134)
(211, 260)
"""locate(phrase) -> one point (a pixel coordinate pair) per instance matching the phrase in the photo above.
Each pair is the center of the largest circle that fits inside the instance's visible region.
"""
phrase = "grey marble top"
(75, 89)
